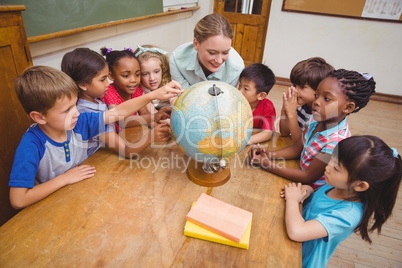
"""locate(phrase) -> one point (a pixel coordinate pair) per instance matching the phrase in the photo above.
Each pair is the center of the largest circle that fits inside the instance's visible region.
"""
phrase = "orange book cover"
(219, 217)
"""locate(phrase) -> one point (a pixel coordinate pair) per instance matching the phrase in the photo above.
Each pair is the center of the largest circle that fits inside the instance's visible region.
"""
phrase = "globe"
(211, 122)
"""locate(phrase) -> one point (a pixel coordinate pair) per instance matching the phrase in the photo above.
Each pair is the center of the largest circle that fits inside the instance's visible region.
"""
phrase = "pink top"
(219, 217)
(113, 97)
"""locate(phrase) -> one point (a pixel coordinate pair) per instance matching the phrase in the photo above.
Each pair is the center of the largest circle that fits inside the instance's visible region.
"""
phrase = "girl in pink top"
(124, 71)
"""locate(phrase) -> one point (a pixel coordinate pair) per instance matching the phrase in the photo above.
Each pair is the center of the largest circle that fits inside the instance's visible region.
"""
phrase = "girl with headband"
(155, 73)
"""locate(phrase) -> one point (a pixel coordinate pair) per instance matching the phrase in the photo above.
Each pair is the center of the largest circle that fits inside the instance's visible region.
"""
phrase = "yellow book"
(219, 217)
(193, 230)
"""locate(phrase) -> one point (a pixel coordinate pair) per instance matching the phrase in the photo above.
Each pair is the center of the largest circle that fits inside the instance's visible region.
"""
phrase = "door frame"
(247, 19)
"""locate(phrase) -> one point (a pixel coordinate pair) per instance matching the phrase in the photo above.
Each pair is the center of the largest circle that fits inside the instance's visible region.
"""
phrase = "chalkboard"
(49, 16)
(387, 10)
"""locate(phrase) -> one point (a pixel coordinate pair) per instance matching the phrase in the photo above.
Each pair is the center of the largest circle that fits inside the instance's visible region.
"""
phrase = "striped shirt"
(324, 142)
(303, 115)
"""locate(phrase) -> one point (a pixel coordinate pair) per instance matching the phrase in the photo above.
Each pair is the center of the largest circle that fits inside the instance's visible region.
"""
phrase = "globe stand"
(197, 174)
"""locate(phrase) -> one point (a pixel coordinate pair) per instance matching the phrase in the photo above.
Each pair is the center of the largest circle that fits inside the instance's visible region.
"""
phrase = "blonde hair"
(146, 55)
(212, 25)
(39, 87)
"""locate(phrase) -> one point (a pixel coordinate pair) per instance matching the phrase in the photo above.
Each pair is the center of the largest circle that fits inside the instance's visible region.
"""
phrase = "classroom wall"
(361, 45)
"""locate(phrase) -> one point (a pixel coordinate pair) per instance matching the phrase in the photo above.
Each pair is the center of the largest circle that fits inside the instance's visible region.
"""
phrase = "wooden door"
(15, 57)
(249, 20)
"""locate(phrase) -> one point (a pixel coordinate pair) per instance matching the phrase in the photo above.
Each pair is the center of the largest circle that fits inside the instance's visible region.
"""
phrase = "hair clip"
(394, 152)
(367, 76)
(150, 49)
(108, 51)
(129, 49)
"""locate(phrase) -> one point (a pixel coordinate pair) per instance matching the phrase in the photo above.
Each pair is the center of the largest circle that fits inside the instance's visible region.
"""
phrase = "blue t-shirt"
(340, 219)
(85, 106)
(39, 158)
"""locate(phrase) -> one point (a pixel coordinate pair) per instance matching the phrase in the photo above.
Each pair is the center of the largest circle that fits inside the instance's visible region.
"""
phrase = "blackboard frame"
(45, 17)
(104, 25)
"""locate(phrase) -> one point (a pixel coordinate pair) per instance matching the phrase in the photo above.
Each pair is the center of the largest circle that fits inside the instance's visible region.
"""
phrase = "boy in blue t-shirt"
(49, 153)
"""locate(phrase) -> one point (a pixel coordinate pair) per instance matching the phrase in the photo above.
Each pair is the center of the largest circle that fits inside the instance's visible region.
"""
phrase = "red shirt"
(113, 97)
(264, 115)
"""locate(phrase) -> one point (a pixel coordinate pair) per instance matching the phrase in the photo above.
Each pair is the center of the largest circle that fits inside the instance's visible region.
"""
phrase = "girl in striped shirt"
(305, 76)
(341, 93)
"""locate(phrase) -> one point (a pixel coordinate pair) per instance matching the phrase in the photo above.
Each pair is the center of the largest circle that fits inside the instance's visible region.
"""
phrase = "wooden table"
(132, 213)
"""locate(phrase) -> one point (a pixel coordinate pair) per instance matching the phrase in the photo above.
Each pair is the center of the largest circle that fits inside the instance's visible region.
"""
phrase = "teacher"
(210, 55)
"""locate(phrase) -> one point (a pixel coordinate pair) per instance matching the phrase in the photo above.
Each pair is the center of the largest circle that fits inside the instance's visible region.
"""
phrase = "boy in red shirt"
(255, 82)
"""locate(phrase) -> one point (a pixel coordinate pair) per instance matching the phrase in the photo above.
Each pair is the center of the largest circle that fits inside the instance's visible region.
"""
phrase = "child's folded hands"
(297, 192)
(258, 156)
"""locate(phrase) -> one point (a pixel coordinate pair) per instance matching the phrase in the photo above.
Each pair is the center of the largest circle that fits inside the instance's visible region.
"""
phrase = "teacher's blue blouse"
(186, 69)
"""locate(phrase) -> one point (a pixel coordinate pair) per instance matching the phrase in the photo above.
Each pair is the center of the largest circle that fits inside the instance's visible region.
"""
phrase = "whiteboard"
(179, 2)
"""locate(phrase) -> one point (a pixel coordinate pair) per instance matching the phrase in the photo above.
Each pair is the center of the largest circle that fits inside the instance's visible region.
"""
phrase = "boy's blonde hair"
(146, 55)
(39, 87)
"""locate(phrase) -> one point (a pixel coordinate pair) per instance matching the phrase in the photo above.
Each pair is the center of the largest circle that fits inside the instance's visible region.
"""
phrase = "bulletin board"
(43, 17)
(384, 10)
